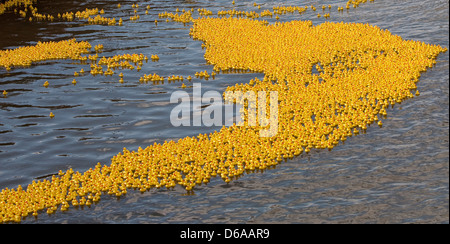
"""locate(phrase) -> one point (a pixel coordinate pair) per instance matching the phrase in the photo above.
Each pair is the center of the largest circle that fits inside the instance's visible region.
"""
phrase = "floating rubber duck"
(46, 84)
(5, 93)
(51, 115)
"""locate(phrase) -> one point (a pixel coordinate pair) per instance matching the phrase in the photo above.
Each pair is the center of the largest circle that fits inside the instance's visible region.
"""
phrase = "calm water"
(395, 174)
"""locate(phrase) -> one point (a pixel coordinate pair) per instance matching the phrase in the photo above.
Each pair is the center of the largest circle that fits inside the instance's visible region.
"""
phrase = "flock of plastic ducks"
(71, 49)
(95, 16)
(25, 56)
(333, 81)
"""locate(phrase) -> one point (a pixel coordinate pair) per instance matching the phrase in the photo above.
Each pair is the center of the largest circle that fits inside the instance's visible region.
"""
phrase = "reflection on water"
(395, 174)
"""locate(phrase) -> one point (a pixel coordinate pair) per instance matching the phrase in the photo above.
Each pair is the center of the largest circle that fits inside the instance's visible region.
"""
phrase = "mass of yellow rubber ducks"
(360, 70)
(26, 10)
(102, 20)
(185, 17)
(157, 79)
(117, 61)
(71, 49)
(14, 4)
(25, 56)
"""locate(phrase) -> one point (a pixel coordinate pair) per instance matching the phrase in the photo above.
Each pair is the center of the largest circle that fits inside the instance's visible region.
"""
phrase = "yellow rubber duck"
(51, 115)
(5, 93)
(46, 84)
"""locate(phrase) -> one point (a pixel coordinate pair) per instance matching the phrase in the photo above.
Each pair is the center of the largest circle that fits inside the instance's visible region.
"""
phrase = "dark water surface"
(395, 174)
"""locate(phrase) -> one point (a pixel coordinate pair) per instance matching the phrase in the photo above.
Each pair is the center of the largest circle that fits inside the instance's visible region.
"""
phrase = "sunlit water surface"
(395, 174)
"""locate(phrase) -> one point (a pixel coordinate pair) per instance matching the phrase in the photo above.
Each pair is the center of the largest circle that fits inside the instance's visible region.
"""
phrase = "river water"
(395, 174)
